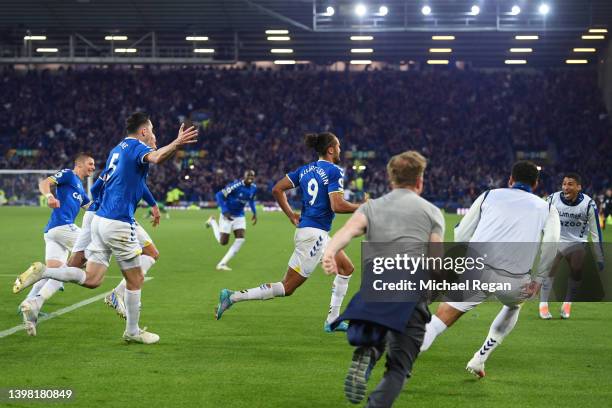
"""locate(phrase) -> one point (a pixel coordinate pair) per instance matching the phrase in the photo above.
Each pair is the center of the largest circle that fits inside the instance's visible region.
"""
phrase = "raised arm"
(278, 191)
(44, 186)
(185, 136)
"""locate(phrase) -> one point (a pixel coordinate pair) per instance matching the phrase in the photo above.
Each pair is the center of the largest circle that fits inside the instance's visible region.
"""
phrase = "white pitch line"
(60, 312)
(13, 275)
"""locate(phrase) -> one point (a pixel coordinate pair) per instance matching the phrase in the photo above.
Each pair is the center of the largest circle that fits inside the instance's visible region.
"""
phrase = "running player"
(499, 217)
(322, 187)
(113, 228)
(231, 201)
(60, 232)
(579, 219)
(149, 256)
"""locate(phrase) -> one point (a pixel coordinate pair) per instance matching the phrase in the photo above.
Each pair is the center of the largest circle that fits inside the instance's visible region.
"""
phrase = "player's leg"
(90, 278)
(67, 237)
(547, 285)
(446, 315)
(134, 280)
(77, 258)
(220, 229)
(309, 244)
(150, 255)
(339, 289)
(402, 351)
(239, 228)
(574, 280)
(59, 241)
(30, 308)
(265, 291)
(503, 323)
(211, 222)
(225, 228)
(55, 257)
(127, 252)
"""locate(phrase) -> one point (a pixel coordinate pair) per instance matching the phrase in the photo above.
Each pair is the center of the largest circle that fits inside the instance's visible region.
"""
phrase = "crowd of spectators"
(470, 124)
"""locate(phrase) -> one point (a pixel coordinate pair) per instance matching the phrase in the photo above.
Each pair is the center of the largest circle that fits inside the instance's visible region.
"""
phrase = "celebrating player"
(322, 196)
(150, 254)
(231, 201)
(501, 216)
(60, 232)
(113, 227)
(579, 218)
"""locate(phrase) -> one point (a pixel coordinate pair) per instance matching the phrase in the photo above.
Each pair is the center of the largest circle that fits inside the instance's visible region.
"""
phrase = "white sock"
(36, 288)
(339, 288)
(264, 292)
(542, 304)
(547, 285)
(66, 274)
(502, 326)
(49, 289)
(232, 251)
(433, 329)
(146, 262)
(132, 311)
(215, 229)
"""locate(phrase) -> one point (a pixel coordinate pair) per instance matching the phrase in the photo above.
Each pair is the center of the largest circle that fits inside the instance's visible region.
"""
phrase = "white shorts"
(116, 238)
(84, 238)
(566, 248)
(226, 226)
(85, 235)
(59, 242)
(143, 237)
(309, 246)
(510, 298)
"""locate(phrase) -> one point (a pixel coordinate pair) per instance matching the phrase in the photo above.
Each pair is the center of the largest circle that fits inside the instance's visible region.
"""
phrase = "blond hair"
(403, 169)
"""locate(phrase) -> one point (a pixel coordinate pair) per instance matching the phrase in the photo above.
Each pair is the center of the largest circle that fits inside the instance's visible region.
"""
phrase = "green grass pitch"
(273, 353)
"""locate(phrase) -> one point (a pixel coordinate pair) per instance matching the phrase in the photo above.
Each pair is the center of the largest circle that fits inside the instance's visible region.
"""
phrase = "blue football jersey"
(235, 196)
(96, 192)
(317, 180)
(71, 195)
(126, 173)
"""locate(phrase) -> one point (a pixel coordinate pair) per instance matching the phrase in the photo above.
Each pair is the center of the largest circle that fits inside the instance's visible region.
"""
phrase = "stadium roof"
(157, 30)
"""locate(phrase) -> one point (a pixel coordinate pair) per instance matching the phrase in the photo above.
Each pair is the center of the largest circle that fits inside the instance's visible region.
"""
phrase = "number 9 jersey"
(317, 180)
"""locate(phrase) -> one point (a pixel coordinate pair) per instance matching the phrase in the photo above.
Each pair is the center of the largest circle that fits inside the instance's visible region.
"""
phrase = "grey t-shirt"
(402, 216)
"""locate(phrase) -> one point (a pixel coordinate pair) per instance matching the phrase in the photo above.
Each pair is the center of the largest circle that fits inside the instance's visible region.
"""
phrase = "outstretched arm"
(44, 186)
(278, 192)
(185, 136)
